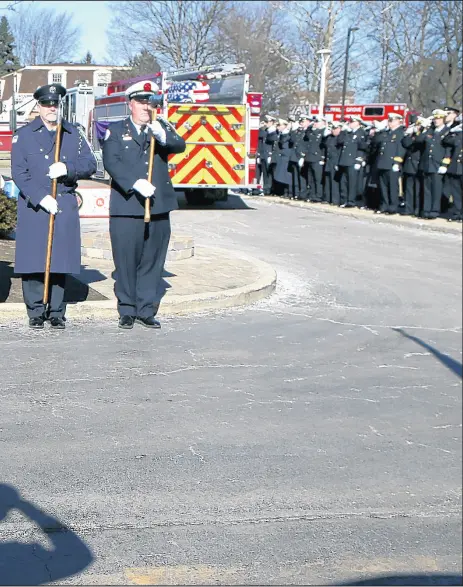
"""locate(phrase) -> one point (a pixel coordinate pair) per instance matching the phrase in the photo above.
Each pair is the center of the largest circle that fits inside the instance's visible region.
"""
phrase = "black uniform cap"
(50, 93)
(452, 109)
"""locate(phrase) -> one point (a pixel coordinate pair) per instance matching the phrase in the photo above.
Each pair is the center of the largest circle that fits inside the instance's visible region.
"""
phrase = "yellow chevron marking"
(212, 118)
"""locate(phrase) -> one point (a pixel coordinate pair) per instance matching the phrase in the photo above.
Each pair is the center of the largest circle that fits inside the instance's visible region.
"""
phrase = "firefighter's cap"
(335, 124)
(283, 121)
(395, 116)
(141, 90)
(270, 118)
(49, 93)
(438, 113)
(304, 117)
(354, 118)
(452, 109)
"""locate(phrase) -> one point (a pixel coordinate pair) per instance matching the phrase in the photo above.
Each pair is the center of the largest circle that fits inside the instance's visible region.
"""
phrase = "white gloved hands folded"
(49, 204)
(396, 167)
(442, 170)
(144, 188)
(57, 170)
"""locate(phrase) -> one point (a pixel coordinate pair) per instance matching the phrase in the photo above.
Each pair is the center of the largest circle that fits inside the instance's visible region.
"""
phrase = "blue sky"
(92, 17)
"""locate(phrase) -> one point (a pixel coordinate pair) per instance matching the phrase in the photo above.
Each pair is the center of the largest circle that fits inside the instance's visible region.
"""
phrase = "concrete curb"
(262, 286)
(438, 225)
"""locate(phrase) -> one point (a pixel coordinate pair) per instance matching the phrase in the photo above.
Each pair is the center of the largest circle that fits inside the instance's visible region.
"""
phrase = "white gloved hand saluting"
(57, 170)
(144, 188)
(158, 131)
(49, 204)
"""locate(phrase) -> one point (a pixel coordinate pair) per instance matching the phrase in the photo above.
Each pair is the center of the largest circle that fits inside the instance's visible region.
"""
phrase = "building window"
(57, 78)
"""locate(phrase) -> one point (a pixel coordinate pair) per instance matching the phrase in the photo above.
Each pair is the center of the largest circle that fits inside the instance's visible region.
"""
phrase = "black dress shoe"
(36, 323)
(149, 322)
(57, 323)
(126, 322)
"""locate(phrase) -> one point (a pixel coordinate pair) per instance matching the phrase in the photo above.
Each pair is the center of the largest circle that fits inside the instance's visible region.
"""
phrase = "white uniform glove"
(57, 170)
(357, 166)
(49, 204)
(410, 130)
(144, 187)
(336, 168)
(158, 131)
(301, 162)
(268, 160)
(395, 167)
(326, 132)
(442, 169)
(258, 160)
(456, 128)
(321, 162)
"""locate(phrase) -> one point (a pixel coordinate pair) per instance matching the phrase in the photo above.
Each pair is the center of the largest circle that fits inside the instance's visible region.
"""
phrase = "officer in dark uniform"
(33, 169)
(295, 136)
(314, 158)
(268, 146)
(331, 153)
(454, 175)
(260, 141)
(305, 124)
(280, 159)
(432, 166)
(139, 250)
(389, 161)
(353, 146)
(410, 177)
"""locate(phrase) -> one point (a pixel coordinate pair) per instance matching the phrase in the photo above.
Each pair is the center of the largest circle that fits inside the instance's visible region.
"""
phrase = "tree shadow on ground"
(412, 579)
(447, 361)
(29, 563)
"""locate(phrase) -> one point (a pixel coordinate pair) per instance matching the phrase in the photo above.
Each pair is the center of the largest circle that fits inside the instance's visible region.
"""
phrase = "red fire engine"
(367, 112)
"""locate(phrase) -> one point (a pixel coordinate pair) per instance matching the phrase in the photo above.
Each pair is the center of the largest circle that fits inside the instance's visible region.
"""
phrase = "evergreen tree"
(8, 60)
(88, 59)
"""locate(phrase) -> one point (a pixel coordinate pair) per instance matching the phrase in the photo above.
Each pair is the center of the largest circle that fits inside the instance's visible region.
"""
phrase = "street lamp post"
(350, 30)
(325, 53)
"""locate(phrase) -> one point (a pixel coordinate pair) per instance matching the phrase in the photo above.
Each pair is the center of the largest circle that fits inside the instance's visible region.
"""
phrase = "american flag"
(189, 91)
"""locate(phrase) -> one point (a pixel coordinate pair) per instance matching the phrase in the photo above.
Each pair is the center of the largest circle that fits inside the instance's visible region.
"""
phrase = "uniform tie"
(143, 136)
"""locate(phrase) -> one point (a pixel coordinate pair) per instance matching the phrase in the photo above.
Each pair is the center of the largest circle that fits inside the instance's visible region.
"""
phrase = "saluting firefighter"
(139, 249)
(331, 154)
(33, 170)
(454, 176)
(390, 157)
(410, 177)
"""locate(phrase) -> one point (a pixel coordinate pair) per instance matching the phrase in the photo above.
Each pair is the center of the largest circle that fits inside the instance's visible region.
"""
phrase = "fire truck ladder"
(209, 72)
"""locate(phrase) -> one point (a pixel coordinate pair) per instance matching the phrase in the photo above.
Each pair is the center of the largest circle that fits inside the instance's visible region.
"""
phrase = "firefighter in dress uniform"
(389, 162)
(331, 155)
(305, 124)
(410, 177)
(280, 160)
(139, 249)
(314, 158)
(265, 155)
(432, 167)
(353, 144)
(295, 137)
(260, 140)
(33, 169)
(454, 175)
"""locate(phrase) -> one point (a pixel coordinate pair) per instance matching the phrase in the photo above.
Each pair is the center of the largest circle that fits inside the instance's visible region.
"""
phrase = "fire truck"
(367, 112)
(212, 108)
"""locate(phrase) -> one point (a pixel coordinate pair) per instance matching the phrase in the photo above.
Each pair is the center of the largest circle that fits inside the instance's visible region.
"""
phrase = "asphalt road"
(313, 438)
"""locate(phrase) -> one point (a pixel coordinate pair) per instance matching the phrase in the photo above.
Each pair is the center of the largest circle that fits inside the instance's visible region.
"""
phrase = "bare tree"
(43, 35)
(180, 33)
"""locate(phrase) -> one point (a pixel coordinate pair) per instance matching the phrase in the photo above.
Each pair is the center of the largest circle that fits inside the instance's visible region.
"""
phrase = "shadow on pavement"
(423, 579)
(447, 361)
(29, 563)
(233, 202)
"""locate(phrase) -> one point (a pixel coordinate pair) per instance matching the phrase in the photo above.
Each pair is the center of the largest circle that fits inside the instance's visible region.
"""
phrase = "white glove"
(395, 167)
(326, 132)
(456, 128)
(357, 166)
(410, 130)
(258, 160)
(57, 170)
(49, 204)
(442, 169)
(158, 131)
(144, 187)
(364, 163)
(301, 162)
(268, 160)
(336, 168)
(321, 162)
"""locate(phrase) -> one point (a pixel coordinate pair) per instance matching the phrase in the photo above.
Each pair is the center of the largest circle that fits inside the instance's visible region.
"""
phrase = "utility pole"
(325, 53)
(350, 30)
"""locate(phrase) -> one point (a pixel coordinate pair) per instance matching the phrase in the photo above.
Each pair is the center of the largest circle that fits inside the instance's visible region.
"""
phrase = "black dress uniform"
(260, 140)
(295, 139)
(411, 183)
(139, 250)
(353, 146)
(432, 156)
(331, 150)
(454, 176)
(313, 155)
(268, 146)
(32, 153)
(280, 159)
(390, 156)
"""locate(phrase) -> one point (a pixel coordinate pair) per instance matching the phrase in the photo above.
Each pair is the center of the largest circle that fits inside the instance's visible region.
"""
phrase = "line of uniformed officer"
(383, 166)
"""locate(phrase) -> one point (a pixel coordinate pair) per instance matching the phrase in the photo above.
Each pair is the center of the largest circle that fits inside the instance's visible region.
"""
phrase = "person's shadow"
(30, 563)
